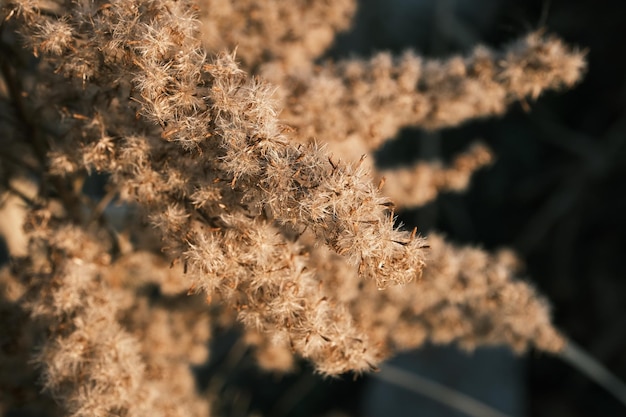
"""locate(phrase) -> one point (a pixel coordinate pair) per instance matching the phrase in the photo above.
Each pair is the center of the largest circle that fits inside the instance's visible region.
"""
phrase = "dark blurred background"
(556, 195)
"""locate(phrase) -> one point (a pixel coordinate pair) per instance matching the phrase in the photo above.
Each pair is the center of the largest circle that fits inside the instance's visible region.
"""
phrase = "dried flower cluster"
(221, 152)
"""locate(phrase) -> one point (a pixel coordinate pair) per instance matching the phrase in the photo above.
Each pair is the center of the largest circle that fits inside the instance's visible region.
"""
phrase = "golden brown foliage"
(251, 210)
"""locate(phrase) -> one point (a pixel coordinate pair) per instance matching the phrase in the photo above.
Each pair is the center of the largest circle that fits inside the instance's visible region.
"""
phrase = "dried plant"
(250, 171)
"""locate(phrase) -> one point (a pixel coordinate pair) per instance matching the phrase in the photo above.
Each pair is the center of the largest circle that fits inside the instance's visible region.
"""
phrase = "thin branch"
(437, 392)
(594, 370)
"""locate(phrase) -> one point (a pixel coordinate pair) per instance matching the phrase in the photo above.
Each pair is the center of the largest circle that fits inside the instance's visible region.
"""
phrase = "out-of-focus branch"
(379, 96)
